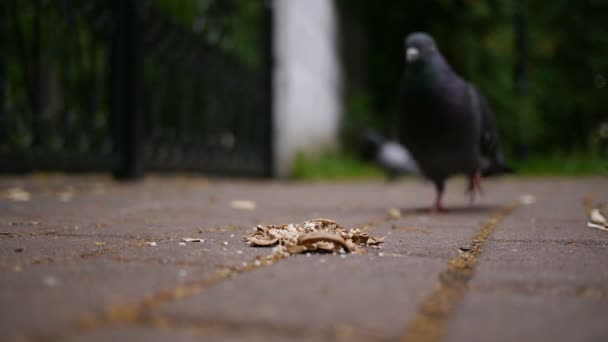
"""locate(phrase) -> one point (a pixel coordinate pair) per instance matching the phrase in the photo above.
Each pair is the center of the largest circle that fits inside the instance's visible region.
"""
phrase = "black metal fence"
(133, 85)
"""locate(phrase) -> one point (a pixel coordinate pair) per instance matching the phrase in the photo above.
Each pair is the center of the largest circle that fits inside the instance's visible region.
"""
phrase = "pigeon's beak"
(412, 54)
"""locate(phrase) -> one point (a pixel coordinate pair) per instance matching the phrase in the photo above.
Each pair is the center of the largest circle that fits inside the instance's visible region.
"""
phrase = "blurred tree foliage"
(232, 25)
(564, 108)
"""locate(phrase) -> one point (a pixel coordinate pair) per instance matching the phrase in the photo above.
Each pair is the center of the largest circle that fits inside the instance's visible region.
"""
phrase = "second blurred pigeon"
(395, 159)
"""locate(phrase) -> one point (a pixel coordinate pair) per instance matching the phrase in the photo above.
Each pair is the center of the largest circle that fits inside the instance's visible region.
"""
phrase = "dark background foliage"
(559, 110)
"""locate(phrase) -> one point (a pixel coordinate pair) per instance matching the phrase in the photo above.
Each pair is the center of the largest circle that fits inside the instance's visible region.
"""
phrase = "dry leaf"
(596, 216)
(372, 241)
(243, 205)
(597, 220)
(318, 235)
(598, 226)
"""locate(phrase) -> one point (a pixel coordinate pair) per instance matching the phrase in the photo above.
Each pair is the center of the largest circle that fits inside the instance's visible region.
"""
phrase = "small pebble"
(225, 243)
(380, 254)
(232, 235)
(239, 252)
(182, 243)
(257, 263)
(182, 273)
(151, 243)
(18, 250)
(322, 261)
(343, 256)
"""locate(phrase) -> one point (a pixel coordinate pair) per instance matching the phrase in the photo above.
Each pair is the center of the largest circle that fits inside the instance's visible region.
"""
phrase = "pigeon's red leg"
(474, 185)
(437, 206)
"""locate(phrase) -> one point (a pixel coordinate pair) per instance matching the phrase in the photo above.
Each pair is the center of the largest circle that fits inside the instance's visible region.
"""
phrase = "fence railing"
(130, 86)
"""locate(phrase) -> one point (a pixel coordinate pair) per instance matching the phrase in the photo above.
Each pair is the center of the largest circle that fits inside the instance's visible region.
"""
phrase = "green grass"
(563, 165)
(344, 166)
(334, 166)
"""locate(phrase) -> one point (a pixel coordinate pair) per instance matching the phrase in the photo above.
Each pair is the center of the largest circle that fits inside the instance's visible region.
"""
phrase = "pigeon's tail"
(370, 143)
(393, 157)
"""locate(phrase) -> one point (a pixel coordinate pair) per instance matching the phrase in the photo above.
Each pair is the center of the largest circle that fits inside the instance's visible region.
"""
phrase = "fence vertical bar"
(3, 59)
(268, 16)
(520, 73)
(126, 56)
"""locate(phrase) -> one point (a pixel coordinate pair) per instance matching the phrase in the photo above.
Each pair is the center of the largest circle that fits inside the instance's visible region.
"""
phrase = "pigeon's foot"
(437, 206)
(474, 186)
(438, 209)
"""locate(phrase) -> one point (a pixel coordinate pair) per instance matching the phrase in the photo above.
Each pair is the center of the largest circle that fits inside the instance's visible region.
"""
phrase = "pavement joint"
(138, 313)
(202, 327)
(429, 323)
(82, 256)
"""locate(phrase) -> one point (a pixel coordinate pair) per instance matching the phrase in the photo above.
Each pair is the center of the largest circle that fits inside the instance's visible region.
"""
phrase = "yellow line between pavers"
(430, 322)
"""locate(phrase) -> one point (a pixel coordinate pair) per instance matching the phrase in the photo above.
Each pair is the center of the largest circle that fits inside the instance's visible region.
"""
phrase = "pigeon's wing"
(489, 138)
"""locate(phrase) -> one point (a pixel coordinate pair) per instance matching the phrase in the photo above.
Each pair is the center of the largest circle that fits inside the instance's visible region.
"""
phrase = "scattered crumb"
(394, 213)
(527, 199)
(50, 281)
(193, 240)
(243, 205)
(18, 195)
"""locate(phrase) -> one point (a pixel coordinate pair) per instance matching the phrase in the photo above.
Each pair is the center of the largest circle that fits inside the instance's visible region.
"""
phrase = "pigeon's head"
(418, 47)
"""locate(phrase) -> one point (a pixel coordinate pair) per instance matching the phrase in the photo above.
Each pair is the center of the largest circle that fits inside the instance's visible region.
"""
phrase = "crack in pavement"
(138, 313)
(81, 256)
(201, 327)
(429, 323)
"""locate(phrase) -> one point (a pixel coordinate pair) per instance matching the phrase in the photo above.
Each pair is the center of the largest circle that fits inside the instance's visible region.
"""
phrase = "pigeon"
(393, 157)
(445, 122)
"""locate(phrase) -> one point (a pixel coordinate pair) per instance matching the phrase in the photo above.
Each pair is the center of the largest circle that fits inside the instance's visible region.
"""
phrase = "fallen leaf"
(375, 241)
(596, 217)
(243, 205)
(597, 220)
(311, 238)
(598, 226)
(318, 235)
